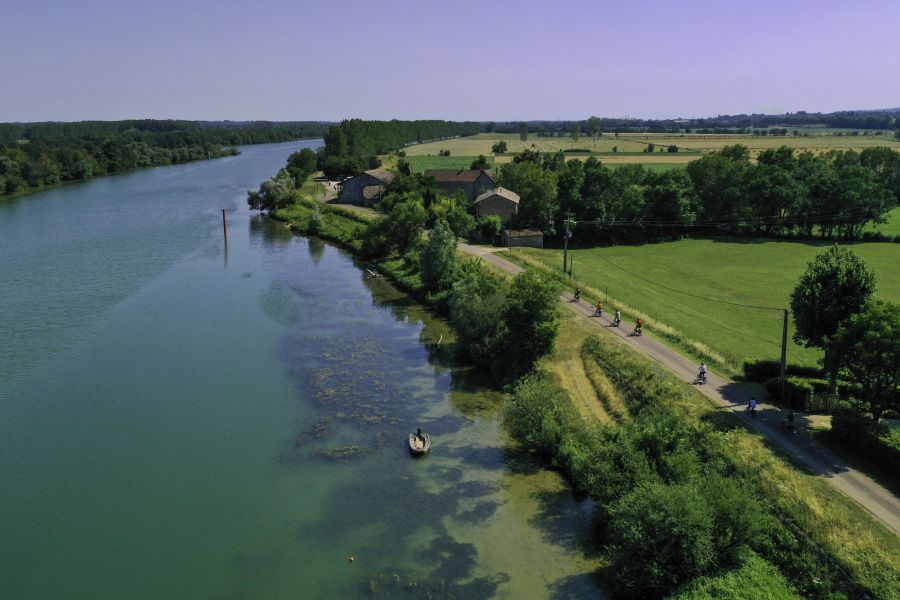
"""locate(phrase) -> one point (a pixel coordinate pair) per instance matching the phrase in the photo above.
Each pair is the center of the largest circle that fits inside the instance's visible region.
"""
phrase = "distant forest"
(887, 119)
(33, 155)
(353, 145)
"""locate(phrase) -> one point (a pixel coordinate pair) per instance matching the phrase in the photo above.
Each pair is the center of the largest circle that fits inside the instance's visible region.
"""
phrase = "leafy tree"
(651, 147)
(773, 194)
(490, 227)
(532, 322)
(834, 287)
(671, 199)
(568, 185)
(672, 148)
(499, 148)
(575, 131)
(302, 164)
(862, 199)
(867, 345)
(405, 223)
(479, 163)
(454, 211)
(885, 164)
(477, 304)
(537, 191)
(439, 257)
(719, 183)
(274, 193)
(403, 167)
(523, 132)
(593, 127)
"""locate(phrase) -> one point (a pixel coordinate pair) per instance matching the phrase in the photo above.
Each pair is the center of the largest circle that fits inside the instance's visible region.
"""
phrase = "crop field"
(687, 285)
(630, 146)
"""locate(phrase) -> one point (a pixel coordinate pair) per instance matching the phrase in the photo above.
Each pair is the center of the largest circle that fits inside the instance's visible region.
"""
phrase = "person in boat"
(420, 435)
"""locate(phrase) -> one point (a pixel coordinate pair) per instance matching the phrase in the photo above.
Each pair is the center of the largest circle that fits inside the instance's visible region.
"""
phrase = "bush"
(761, 370)
(489, 227)
(660, 537)
(536, 415)
(871, 438)
(375, 240)
(796, 391)
(438, 259)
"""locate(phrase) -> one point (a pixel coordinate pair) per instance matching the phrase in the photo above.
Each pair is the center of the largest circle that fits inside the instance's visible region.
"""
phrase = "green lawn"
(420, 163)
(674, 281)
(892, 227)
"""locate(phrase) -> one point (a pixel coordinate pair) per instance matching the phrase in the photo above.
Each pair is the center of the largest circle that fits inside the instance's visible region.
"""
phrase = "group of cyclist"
(788, 422)
(617, 319)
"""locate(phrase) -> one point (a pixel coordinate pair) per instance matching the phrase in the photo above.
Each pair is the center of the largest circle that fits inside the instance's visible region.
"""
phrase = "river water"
(179, 419)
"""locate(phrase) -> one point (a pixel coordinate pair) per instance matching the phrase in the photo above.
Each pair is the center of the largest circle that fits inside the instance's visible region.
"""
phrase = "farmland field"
(630, 146)
(669, 282)
(417, 164)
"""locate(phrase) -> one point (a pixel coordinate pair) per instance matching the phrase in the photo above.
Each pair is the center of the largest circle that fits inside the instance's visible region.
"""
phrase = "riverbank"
(797, 537)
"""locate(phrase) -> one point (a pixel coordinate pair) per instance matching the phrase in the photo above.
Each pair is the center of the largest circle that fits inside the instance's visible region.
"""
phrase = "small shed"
(532, 238)
(498, 201)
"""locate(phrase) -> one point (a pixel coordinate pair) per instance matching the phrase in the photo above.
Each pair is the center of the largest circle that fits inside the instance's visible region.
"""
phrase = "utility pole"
(566, 237)
(783, 356)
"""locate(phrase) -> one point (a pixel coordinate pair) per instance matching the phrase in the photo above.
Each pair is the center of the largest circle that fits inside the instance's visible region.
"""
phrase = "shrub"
(660, 537)
(761, 370)
(870, 437)
(439, 258)
(796, 391)
(489, 227)
(536, 415)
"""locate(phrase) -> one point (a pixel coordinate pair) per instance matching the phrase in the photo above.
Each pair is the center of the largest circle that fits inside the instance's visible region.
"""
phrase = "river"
(182, 419)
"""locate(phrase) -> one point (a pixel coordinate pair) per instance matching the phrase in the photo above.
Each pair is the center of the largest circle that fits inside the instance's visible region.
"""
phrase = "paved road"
(728, 395)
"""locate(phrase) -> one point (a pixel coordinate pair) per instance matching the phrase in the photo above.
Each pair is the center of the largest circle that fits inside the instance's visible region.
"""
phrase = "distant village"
(478, 185)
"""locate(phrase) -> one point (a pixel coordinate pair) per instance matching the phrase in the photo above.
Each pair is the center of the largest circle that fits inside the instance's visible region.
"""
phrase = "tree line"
(884, 120)
(38, 154)
(833, 195)
(353, 145)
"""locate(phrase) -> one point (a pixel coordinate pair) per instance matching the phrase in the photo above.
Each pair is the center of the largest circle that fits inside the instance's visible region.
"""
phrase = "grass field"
(892, 227)
(631, 146)
(669, 282)
(420, 163)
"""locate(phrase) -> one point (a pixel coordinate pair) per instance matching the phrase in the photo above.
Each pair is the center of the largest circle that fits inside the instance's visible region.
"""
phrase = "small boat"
(419, 443)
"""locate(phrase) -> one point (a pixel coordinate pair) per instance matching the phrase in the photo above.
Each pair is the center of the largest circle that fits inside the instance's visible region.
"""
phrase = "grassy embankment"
(820, 540)
(648, 280)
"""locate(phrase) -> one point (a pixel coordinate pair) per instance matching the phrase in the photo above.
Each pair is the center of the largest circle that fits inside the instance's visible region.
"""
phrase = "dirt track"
(732, 396)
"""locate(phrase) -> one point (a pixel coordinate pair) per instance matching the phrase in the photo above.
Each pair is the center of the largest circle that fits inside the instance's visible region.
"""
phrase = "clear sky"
(457, 59)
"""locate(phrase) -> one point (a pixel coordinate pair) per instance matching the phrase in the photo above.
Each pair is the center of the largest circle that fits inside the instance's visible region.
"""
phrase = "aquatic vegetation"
(343, 452)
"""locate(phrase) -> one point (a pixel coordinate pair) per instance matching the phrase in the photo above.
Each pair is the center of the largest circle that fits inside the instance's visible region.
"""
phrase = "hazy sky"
(487, 60)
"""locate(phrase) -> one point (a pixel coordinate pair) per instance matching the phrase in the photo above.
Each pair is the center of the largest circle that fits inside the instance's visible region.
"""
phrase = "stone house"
(498, 201)
(367, 188)
(471, 182)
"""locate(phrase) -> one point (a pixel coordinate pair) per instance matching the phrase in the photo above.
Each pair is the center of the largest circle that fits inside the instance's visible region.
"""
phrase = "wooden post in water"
(224, 226)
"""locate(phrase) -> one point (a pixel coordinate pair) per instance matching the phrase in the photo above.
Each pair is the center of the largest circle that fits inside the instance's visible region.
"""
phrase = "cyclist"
(701, 374)
(618, 318)
(577, 294)
(639, 327)
(600, 309)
